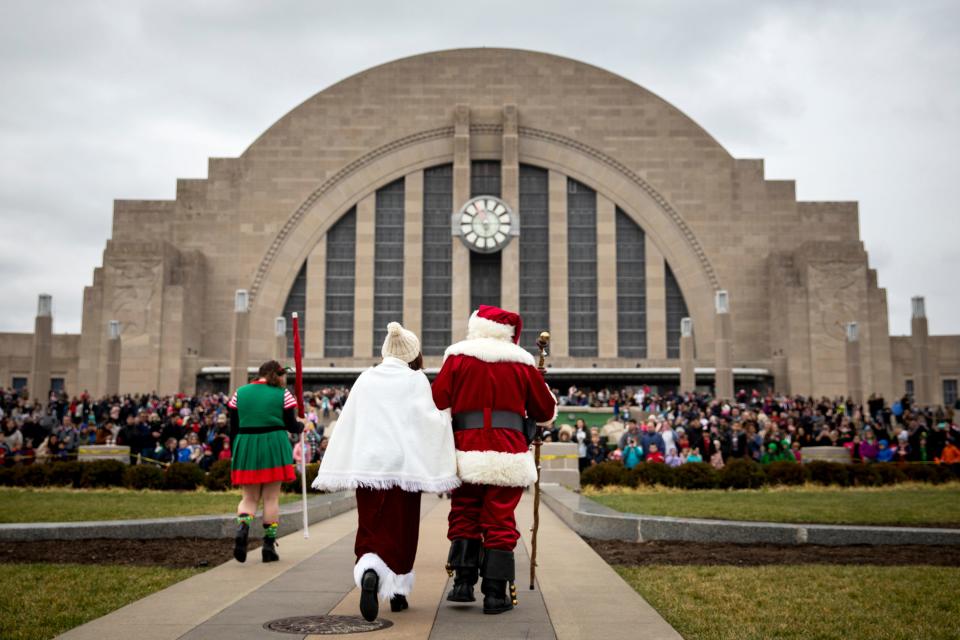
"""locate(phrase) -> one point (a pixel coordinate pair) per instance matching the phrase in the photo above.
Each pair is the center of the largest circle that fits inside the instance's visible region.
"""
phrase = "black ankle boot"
(399, 603)
(269, 551)
(240, 542)
(499, 591)
(463, 563)
(369, 595)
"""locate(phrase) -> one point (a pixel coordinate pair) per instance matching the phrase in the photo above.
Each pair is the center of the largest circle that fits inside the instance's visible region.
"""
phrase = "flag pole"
(298, 392)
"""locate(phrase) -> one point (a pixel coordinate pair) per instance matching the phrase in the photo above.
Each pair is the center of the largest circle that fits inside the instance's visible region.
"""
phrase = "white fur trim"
(391, 584)
(337, 481)
(489, 350)
(556, 411)
(478, 327)
(497, 468)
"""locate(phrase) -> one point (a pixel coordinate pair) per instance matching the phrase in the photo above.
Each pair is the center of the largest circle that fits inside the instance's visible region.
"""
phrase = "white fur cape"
(390, 434)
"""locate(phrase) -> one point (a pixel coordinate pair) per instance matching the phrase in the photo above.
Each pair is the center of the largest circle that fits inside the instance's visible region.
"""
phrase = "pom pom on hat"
(496, 323)
(400, 343)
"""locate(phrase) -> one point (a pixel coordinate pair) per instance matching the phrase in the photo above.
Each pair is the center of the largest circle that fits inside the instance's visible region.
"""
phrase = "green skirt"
(259, 458)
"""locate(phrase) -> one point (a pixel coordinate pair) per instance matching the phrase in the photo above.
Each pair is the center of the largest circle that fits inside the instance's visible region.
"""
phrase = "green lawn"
(72, 505)
(912, 504)
(44, 600)
(802, 601)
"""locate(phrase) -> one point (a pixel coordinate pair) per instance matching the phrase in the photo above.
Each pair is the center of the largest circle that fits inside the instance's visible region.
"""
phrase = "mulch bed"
(165, 552)
(752, 555)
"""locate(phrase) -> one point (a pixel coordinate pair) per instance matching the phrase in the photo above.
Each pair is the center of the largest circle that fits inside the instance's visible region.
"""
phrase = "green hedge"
(113, 473)
(746, 474)
(294, 487)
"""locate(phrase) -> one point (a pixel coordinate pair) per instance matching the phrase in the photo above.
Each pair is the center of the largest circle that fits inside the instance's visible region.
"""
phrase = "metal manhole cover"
(326, 625)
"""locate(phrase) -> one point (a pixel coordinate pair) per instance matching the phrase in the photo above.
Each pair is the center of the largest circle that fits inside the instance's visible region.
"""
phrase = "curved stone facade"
(796, 272)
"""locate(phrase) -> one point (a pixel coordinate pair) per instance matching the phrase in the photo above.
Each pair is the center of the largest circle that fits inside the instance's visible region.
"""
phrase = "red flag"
(298, 364)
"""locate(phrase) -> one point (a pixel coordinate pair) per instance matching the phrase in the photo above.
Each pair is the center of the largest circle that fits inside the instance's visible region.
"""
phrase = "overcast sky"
(104, 100)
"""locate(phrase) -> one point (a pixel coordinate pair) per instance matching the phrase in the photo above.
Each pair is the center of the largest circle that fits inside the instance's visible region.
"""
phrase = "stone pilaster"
(854, 378)
(42, 350)
(723, 337)
(413, 252)
(606, 277)
(656, 284)
(114, 352)
(919, 338)
(559, 283)
(780, 365)
(510, 193)
(460, 256)
(688, 378)
(240, 349)
(363, 289)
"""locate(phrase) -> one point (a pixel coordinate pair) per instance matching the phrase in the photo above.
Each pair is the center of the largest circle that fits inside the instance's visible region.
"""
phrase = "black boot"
(399, 603)
(369, 595)
(240, 542)
(269, 551)
(464, 564)
(499, 591)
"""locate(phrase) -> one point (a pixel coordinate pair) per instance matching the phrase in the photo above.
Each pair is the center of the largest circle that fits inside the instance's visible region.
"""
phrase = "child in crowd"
(672, 459)
(694, 455)
(596, 452)
(183, 451)
(716, 459)
(654, 455)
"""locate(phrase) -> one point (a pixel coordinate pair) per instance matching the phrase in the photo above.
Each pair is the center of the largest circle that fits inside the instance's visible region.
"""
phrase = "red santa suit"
(490, 384)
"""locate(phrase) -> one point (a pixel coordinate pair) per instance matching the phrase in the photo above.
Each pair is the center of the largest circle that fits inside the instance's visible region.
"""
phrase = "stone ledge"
(319, 508)
(593, 520)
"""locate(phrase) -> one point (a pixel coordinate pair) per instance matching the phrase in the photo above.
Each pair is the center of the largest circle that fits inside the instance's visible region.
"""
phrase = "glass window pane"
(437, 249)
(340, 286)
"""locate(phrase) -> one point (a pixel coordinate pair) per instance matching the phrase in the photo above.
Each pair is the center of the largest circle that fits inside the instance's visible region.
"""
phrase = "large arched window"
(340, 287)
(485, 276)
(437, 250)
(631, 289)
(387, 260)
(534, 254)
(582, 268)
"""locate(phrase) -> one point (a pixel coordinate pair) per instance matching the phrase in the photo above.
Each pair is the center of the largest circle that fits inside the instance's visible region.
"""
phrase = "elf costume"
(491, 385)
(390, 444)
(261, 416)
(261, 446)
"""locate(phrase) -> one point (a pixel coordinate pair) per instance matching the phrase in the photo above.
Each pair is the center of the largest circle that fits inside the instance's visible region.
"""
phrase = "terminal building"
(419, 189)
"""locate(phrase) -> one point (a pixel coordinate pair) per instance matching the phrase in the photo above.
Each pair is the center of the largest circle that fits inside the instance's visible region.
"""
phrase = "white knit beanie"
(400, 343)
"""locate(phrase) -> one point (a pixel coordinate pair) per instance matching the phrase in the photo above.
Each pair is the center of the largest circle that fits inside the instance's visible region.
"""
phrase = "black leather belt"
(256, 430)
(498, 419)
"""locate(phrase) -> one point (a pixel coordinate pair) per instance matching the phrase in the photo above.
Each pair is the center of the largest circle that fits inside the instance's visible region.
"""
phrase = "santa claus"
(492, 387)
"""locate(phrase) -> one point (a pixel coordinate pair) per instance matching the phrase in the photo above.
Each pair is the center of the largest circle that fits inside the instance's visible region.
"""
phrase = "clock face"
(485, 224)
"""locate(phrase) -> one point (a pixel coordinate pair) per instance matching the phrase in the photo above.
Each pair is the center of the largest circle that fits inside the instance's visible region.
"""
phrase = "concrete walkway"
(578, 595)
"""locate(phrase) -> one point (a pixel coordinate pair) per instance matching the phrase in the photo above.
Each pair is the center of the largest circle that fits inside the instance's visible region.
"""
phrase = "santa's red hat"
(494, 322)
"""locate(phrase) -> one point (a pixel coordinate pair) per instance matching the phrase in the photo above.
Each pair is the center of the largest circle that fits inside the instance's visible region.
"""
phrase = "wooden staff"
(542, 343)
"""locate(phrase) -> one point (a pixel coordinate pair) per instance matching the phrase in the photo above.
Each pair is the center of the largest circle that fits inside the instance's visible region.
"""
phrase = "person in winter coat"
(492, 387)
(390, 443)
(596, 451)
(632, 453)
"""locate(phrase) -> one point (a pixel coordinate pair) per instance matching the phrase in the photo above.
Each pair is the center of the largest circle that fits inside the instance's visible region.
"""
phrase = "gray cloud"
(105, 100)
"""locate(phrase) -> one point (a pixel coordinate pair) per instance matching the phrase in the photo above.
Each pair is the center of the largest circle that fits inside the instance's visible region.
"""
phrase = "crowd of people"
(177, 428)
(679, 428)
(645, 426)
